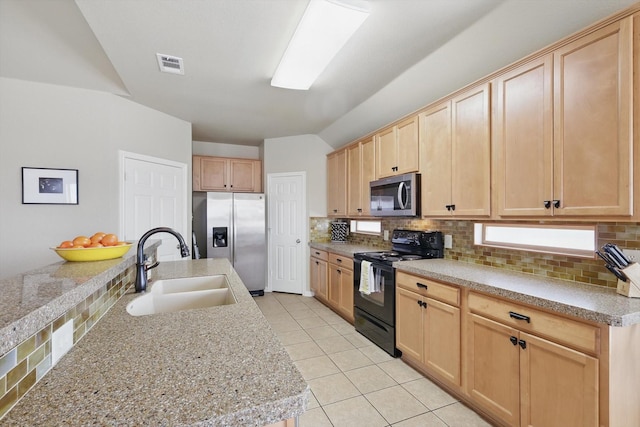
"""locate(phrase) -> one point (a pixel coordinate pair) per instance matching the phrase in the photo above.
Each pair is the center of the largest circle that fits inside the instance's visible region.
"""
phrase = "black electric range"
(374, 311)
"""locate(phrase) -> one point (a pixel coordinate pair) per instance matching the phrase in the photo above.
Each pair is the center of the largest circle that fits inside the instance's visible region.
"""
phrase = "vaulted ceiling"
(407, 53)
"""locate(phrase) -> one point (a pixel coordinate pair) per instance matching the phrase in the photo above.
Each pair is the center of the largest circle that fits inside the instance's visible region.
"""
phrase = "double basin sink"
(188, 293)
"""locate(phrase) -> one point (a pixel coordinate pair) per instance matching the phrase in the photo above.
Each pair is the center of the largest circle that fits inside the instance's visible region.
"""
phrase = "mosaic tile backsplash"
(591, 271)
(23, 366)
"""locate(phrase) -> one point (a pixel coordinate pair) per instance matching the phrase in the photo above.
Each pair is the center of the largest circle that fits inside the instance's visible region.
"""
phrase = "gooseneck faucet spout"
(141, 267)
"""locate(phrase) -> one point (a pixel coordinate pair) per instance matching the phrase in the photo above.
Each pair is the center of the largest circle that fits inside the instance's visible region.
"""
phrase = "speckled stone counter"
(33, 299)
(219, 366)
(344, 249)
(595, 303)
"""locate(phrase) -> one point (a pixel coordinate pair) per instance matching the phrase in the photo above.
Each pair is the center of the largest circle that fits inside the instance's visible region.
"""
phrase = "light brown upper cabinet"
(227, 174)
(563, 138)
(592, 123)
(523, 136)
(455, 155)
(397, 149)
(361, 171)
(337, 183)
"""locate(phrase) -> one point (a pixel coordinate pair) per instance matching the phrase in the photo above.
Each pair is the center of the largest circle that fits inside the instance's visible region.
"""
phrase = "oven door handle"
(403, 195)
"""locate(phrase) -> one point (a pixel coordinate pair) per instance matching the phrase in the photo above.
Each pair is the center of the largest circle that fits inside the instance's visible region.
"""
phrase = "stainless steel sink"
(183, 294)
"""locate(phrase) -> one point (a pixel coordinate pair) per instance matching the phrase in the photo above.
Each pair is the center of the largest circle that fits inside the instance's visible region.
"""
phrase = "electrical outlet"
(61, 341)
(386, 235)
(448, 241)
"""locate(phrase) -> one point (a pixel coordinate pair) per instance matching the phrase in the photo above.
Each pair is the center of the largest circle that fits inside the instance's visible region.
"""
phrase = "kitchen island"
(217, 366)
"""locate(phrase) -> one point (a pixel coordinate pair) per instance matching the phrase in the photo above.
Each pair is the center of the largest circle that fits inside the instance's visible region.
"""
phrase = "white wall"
(217, 149)
(301, 153)
(50, 126)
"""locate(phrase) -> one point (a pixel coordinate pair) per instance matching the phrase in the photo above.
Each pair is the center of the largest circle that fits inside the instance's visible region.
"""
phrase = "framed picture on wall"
(49, 186)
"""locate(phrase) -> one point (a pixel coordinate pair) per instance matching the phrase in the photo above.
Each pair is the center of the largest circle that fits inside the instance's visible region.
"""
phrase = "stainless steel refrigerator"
(236, 230)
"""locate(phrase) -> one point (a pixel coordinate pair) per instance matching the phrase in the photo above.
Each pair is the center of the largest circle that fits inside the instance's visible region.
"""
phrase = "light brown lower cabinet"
(341, 285)
(318, 270)
(515, 364)
(529, 381)
(428, 331)
(331, 280)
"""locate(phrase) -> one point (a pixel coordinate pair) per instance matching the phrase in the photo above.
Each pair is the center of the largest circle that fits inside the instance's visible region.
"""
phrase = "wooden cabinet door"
(214, 174)
(368, 170)
(409, 329)
(354, 180)
(346, 292)
(442, 340)
(318, 277)
(337, 183)
(523, 132)
(493, 368)
(245, 175)
(407, 146)
(335, 280)
(593, 121)
(386, 152)
(435, 160)
(471, 153)
(559, 386)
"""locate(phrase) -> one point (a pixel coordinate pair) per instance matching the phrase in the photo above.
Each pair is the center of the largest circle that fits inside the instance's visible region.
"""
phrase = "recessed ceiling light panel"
(323, 30)
(170, 64)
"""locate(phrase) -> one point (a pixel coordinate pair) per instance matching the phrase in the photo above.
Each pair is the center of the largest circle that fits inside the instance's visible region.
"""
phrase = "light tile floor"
(353, 382)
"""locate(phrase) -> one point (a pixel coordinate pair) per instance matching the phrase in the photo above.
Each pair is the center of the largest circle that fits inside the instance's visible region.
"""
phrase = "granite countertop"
(589, 302)
(33, 299)
(217, 366)
(344, 249)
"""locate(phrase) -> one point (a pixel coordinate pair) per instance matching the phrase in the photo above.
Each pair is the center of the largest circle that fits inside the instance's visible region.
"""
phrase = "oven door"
(381, 304)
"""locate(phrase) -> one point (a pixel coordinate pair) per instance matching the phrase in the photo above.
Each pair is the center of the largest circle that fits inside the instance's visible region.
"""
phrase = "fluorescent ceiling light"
(324, 28)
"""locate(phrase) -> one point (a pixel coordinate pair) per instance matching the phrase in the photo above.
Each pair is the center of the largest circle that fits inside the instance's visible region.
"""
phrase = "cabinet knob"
(523, 344)
(556, 204)
(547, 204)
(513, 340)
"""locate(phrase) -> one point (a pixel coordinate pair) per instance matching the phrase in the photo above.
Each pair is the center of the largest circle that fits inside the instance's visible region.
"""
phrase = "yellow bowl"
(93, 254)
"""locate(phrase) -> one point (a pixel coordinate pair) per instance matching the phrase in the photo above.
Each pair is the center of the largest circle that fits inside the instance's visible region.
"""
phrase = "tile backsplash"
(591, 271)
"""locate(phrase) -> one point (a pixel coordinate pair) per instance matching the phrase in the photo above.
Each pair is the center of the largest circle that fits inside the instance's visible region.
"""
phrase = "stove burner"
(411, 257)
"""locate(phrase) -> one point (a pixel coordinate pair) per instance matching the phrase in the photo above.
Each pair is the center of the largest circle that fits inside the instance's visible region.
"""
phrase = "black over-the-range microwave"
(396, 195)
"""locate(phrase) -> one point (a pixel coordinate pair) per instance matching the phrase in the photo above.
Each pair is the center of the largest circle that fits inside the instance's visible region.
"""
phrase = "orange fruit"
(78, 247)
(81, 241)
(96, 238)
(121, 243)
(95, 245)
(66, 244)
(109, 240)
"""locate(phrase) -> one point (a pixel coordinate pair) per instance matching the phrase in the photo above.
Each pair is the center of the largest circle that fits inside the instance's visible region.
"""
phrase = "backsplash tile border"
(589, 271)
(27, 363)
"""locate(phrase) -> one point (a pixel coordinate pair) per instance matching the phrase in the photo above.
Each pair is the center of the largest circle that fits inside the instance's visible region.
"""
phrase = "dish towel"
(375, 281)
(366, 277)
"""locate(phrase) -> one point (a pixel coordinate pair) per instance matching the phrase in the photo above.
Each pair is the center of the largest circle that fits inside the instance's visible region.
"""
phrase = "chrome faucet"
(142, 267)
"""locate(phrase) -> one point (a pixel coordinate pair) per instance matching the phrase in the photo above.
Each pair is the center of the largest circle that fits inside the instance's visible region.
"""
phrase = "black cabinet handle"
(448, 207)
(453, 207)
(423, 304)
(421, 285)
(338, 259)
(513, 340)
(547, 204)
(339, 271)
(556, 204)
(518, 316)
(359, 209)
(523, 344)
(317, 262)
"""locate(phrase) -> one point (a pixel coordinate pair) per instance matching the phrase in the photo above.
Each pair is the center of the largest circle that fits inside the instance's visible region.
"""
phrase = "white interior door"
(154, 194)
(287, 232)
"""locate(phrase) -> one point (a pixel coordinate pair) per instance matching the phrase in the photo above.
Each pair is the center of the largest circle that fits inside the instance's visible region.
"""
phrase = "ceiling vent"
(170, 64)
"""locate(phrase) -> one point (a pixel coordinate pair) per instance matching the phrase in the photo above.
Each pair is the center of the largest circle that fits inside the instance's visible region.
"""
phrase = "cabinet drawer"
(575, 334)
(341, 260)
(320, 254)
(428, 288)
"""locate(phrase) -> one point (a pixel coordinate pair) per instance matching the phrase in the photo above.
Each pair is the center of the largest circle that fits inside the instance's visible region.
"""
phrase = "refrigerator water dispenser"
(220, 239)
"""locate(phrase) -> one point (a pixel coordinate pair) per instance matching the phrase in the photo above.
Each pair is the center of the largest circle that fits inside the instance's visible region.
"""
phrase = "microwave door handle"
(402, 195)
